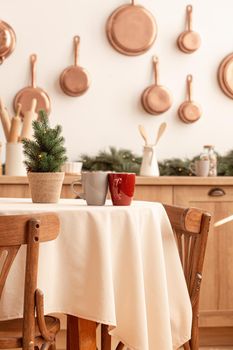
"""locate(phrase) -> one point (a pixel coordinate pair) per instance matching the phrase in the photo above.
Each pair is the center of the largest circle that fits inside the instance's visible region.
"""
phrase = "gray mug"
(95, 187)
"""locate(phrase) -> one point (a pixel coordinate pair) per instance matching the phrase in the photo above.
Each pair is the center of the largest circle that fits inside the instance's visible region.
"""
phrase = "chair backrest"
(191, 227)
(17, 230)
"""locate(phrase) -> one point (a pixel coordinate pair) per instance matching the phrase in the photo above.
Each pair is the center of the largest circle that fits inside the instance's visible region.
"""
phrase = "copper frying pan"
(7, 40)
(225, 75)
(156, 99)
(27, 94)
(189, 40)
(74, 80)
(131, 29)
(189, 111)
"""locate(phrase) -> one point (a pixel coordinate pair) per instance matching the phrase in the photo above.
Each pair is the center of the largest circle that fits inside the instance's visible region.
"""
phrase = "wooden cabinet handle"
(216, 192)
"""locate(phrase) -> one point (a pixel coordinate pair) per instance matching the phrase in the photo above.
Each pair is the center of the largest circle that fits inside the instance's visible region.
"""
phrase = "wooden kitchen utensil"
(156, 99)
(26, 95)
(143, 134)
(189, 41)
(74, 80)
(7, 40)
(15, 126)
(131, 29)
(189, 111)
(29, 116)
(5, 119)
(160, 132)
(225, 75)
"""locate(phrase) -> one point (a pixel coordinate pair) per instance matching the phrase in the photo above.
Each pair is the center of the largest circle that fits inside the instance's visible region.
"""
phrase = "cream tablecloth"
(114, 265)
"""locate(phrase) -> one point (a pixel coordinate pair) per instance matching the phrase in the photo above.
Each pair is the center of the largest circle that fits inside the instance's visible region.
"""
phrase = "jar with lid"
(209, 153)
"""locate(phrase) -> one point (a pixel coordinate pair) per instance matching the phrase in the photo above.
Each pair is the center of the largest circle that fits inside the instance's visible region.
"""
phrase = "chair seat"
(11, 331)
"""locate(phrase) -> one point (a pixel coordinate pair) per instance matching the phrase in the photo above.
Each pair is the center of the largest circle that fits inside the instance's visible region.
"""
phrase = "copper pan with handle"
(7, 40)
(156, 99)
(27, 94)
(189, 111)
(75, 80)
(189, 40)
(225, 75)
(131, 29)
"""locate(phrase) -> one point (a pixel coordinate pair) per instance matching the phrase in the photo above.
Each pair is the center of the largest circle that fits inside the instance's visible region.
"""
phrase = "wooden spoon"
(160, 132)
(143, 134)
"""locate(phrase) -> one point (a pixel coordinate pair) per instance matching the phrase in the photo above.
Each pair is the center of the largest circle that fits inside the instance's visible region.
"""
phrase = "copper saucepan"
(27, 94)
(189, 111)
(189, 41)
(131, 29)
(156, 99)
(7, 40)
(74, 80)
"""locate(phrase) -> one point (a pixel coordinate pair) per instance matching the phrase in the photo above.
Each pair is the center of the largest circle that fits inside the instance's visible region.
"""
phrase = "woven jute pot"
(45, 187)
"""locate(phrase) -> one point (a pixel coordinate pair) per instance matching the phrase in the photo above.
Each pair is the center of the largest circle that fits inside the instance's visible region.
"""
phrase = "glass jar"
(209, 153)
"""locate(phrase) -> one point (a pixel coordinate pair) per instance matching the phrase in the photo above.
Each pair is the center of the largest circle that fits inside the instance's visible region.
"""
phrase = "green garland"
(124, 160)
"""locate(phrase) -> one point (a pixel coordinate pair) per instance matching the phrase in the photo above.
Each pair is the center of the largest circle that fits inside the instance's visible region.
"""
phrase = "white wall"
(108, 114)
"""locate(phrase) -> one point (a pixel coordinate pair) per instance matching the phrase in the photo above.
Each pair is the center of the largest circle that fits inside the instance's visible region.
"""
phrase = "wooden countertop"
(141, 180)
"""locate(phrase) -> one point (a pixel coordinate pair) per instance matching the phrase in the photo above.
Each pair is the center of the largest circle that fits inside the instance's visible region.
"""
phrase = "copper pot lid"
(225, 75)
(156, 99)
(7, 40)
(74, 80)
(27, 94)
(131, 29)
(189, 40)
(189, 111)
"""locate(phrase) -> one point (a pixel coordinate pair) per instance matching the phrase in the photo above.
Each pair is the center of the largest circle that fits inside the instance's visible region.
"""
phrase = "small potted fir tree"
(44, 156)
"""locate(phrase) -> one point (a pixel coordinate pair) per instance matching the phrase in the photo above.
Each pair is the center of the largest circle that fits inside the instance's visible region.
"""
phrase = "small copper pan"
(189, 41)
(131, 29)
(74, 80)
(189, 111)
(7, 40)
(27, 94)
(156, 99)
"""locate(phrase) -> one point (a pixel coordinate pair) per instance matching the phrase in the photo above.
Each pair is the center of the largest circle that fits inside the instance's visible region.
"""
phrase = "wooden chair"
(29, 332)
(191, 227)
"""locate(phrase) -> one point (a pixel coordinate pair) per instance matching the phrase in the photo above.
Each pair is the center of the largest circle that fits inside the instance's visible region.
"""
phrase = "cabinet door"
(216, 303)
(154, 193)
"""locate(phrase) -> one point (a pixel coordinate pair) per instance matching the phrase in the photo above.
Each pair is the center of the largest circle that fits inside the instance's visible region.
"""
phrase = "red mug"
(121, 186)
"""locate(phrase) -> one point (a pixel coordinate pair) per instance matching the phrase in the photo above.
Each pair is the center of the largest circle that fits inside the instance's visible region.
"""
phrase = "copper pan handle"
(33, 59)
(189, 10)
(156, 72)
(190, 87)
(132, 2)
(2, 59)
(76, 48)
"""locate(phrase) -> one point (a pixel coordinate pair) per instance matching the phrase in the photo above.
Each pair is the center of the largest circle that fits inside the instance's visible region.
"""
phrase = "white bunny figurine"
(149, 166)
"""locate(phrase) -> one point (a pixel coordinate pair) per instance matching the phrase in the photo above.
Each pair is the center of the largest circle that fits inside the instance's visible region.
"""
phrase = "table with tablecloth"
(117, 265)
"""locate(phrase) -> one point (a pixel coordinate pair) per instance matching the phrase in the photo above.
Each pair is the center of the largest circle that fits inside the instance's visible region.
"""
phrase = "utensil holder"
(15, 159)
(149, 166)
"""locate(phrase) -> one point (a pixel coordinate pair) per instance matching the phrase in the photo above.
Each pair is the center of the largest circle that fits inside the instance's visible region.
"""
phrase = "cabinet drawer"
(203, 194)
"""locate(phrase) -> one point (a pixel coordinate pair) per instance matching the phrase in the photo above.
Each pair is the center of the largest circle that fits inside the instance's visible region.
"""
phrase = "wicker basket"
(45, 187)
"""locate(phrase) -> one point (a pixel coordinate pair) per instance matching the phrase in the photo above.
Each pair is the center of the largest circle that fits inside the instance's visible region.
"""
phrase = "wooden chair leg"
(120, 346)
(105, 338)
(81, 334)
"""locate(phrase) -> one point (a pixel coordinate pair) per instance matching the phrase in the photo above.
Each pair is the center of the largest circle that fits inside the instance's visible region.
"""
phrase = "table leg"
(105, 338)
(81, 334)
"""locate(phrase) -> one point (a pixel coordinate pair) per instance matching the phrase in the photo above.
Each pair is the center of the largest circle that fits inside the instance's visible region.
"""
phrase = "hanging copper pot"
(189, 111)
(131, 29)
(27, 94)
(74, 80)
(189, 40)
(225, 75)
(156, 99)
(7, 40)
